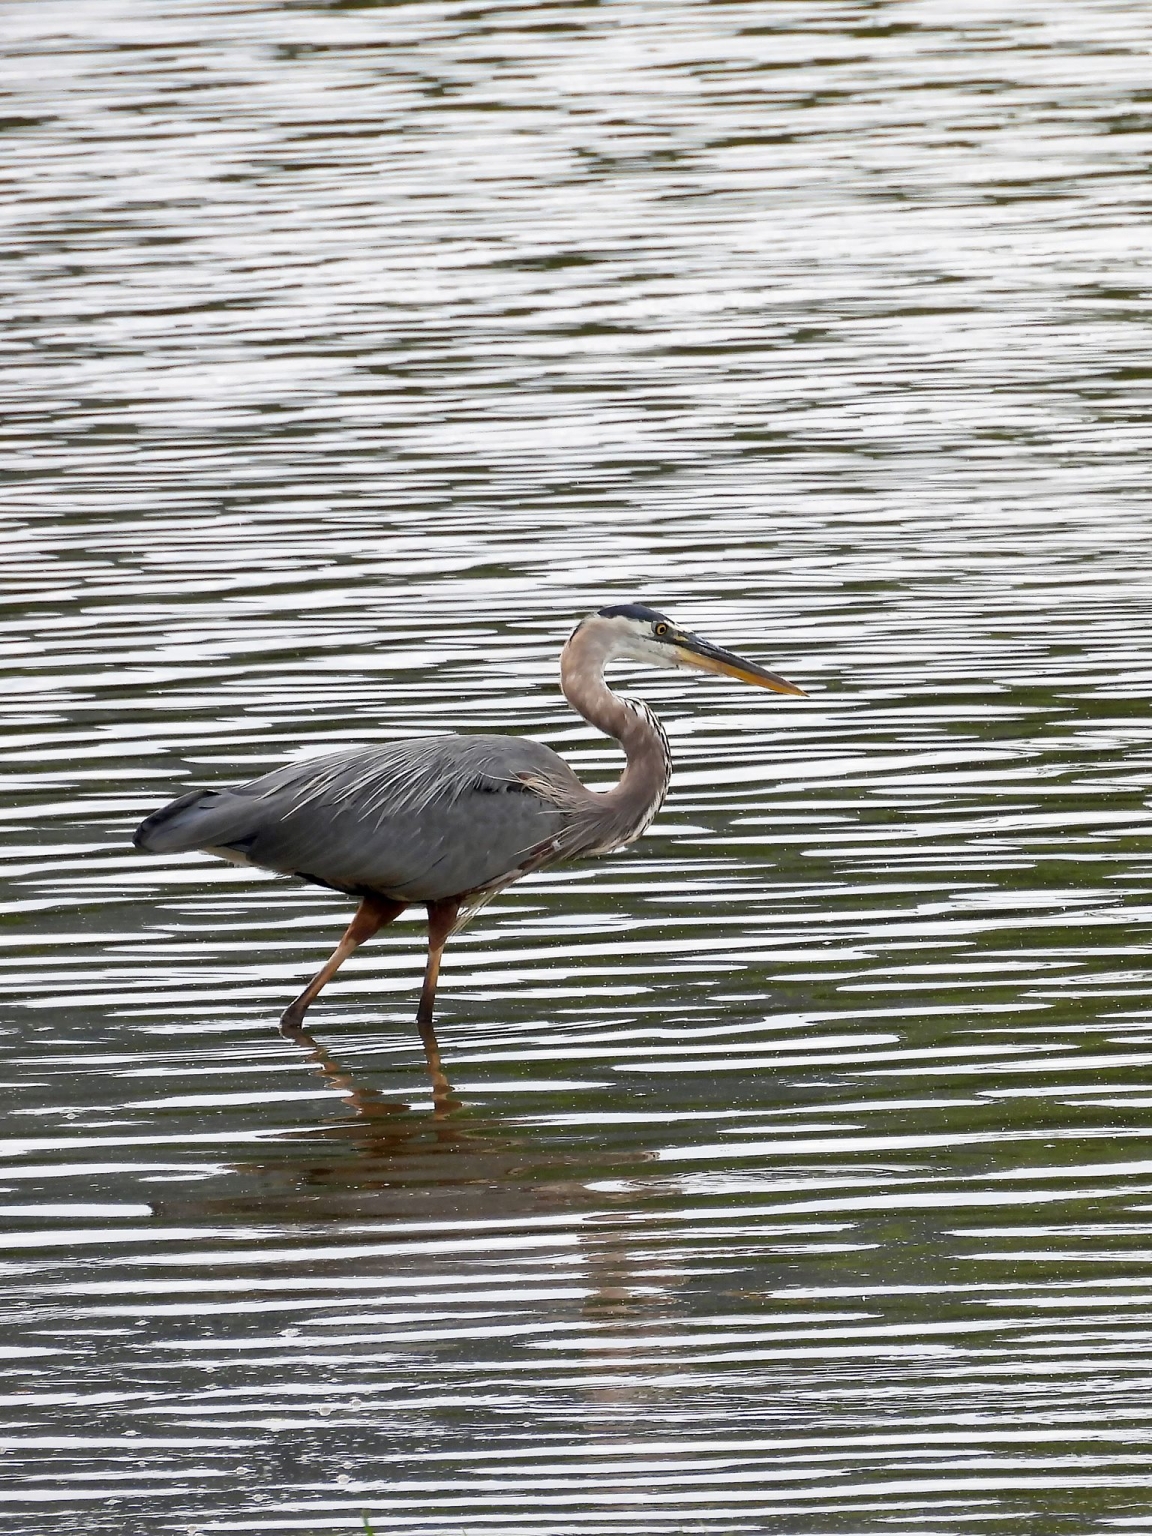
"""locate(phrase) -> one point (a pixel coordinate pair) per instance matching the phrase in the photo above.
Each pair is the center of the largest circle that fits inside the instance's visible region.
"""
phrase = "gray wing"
(416, 820)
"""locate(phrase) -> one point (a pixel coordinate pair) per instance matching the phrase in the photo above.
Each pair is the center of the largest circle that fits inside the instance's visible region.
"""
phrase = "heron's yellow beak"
(694, 652)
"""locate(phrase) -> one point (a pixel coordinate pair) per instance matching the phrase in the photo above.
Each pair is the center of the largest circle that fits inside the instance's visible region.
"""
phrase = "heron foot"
(292, 1020)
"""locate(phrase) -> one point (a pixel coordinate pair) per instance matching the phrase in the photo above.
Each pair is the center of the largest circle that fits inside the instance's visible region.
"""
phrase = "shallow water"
(803, 1179)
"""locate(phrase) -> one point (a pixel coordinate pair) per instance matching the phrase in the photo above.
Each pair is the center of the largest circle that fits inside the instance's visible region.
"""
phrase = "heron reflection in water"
(446, 822)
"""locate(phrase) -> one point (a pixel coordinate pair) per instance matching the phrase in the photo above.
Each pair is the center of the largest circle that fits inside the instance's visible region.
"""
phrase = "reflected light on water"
(797, 1172)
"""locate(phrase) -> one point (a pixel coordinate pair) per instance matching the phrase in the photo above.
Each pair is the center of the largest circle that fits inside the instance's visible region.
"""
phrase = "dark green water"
(804, 1176)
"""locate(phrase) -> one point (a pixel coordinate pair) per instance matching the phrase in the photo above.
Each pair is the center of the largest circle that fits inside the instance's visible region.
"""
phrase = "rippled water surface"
(803, 1183)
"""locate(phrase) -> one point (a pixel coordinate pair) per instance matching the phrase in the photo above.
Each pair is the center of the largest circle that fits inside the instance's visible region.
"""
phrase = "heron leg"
(373, 913)
(441, 921)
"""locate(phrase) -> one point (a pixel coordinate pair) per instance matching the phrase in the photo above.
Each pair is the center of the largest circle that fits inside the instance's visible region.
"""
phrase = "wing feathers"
(408, 776)
(416, 820)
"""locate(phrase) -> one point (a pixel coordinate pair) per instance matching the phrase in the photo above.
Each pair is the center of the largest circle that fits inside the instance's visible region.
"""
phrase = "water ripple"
(352, 351)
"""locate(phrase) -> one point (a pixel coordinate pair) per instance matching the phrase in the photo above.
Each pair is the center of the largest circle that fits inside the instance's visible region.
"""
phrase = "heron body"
(447, 821)
(416, 821)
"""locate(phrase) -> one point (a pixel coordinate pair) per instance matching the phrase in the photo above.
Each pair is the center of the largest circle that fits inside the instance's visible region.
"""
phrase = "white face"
(638, 640)
(657, 642)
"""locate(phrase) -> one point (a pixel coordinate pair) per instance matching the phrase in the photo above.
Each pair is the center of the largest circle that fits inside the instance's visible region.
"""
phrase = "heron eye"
(661, 629)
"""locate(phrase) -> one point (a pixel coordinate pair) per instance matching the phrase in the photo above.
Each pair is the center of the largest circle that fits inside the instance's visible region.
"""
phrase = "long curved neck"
(641, 790)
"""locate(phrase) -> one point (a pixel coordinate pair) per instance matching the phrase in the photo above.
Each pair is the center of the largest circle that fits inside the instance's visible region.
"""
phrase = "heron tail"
(206, 818)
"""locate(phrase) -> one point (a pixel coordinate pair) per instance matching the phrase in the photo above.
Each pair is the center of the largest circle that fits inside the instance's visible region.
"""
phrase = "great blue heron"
(447, 821)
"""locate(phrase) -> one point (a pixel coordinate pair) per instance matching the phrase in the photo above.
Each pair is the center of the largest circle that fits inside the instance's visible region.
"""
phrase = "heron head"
(631, 631)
